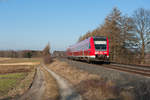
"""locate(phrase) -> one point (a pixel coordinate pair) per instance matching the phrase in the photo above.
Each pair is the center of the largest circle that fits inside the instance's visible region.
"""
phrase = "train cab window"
(100, 43)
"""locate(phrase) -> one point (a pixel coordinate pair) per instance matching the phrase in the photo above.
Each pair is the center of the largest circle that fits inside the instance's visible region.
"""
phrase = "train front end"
(101, 48)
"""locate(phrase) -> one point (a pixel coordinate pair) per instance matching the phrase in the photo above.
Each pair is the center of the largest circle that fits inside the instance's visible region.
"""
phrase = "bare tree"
(46, 54)
(113, 31)
(141, 18)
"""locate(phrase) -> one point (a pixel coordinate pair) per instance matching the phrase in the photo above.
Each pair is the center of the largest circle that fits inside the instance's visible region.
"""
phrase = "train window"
(100, 44)
(100, 39)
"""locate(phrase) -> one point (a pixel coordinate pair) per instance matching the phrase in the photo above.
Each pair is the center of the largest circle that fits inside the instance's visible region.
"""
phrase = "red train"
(90, 49)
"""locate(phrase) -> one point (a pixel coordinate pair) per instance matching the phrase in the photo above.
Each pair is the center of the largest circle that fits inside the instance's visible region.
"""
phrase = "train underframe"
(93, 58)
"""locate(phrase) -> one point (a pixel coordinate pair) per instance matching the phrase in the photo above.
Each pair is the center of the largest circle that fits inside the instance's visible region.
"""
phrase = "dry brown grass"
(52, 91)
(23, 85)
(15, 69)
(13, 65)
(90, 86)
(70, 73)
(4, 59)
(17, 65)
(19, 87)
(24, 63)
(19, 60)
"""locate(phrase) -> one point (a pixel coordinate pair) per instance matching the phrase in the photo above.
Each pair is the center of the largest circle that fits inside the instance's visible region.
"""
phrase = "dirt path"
(37, 89)
(66, 91)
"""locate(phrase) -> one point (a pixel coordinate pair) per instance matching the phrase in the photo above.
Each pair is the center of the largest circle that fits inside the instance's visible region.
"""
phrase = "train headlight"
(96, 52)
(107, 56)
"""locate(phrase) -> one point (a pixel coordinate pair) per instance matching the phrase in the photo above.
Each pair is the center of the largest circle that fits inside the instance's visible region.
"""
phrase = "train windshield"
(100, 44)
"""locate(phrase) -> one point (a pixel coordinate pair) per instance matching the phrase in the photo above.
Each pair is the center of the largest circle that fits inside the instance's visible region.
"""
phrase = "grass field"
(16, 75)
(19, 60)
(8, 81)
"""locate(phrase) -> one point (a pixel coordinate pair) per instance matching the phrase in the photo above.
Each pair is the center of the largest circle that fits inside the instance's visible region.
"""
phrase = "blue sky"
(31, 24)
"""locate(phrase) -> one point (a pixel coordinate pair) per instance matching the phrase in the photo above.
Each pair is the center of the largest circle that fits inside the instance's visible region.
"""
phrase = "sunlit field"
(16, 75)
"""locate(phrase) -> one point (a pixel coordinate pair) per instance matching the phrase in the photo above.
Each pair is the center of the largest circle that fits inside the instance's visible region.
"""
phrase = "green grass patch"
(9, 81)
(6, 85)
(13, 75)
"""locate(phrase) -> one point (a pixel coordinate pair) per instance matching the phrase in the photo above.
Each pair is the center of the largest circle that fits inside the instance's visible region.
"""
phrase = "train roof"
(94, 37)
(102, 38)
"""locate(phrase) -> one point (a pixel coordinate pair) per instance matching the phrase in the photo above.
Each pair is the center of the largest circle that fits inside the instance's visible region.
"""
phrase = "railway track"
(134, 69)
(144, 71)
(131, 65)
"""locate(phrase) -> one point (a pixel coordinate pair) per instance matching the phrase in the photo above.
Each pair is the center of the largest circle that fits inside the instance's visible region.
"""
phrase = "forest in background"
(20, 53)
(129, 36)
(45, 54)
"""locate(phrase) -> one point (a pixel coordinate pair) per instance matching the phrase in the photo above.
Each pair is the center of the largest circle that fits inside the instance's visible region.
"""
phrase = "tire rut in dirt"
(37, 89)
(66, 90)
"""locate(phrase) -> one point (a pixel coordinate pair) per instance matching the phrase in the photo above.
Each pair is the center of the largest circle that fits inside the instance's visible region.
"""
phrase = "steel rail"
(134, 70)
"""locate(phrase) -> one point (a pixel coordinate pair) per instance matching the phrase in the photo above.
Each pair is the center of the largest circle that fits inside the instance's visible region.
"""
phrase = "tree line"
(45, 54)
(129, 36)
(20, 53)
